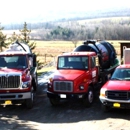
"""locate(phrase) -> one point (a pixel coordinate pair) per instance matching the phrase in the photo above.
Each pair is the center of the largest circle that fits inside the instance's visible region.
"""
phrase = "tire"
(105, 108)
(29, 102)
(35, 83)
(89, 98)
(54, 101)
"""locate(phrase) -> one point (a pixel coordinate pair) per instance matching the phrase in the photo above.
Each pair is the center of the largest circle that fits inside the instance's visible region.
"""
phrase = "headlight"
(102, 92)
(50, 80)
(49, 86)
(81, 87)
(25, 84)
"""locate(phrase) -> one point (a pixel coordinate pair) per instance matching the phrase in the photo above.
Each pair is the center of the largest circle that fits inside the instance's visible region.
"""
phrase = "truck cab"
(75, 78)
(18, 77)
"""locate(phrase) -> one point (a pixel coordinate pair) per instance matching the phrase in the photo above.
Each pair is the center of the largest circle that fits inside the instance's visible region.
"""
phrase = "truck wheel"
(29, 102)
(105, 108)
(54, 101)
(36, 83)
(88, 99)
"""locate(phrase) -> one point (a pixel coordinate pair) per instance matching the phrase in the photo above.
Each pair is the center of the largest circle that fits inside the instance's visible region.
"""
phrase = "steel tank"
(106, 52)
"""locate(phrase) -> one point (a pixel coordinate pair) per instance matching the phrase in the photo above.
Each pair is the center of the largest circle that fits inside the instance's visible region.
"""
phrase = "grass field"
(49, 50)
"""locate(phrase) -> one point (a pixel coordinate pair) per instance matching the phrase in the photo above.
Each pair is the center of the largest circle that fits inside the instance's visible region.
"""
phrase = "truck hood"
(67, 74)
(117, 85)
(7, 70)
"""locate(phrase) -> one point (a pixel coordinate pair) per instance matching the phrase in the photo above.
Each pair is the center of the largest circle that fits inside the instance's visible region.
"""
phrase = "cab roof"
(124, 66)
(13, 53)
(79, 54)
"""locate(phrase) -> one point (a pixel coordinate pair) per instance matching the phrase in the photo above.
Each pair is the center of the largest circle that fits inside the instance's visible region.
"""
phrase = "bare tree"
(75, 42)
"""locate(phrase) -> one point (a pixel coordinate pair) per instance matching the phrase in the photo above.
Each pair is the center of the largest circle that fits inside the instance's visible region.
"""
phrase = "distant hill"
(63, 16)
(112, 12)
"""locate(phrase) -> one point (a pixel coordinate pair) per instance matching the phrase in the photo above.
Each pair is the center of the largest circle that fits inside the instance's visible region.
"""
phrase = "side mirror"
(34, 60)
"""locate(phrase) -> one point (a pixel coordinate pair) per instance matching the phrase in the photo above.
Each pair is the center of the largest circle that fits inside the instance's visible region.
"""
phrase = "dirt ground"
(67, 116)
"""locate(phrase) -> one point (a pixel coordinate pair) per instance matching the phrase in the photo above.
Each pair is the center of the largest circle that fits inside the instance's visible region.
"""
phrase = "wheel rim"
(90, 96)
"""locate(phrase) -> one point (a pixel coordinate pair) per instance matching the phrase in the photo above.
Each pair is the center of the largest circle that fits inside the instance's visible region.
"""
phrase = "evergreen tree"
(26, 39)
(3, 43)
(25, 34)
(14, 38)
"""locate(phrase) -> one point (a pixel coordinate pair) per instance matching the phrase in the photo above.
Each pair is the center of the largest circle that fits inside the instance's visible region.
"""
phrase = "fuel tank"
(105, 51)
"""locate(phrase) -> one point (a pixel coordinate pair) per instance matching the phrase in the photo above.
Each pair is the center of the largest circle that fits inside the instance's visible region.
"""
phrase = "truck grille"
(63, 86)
(118, 95)
(10, 81)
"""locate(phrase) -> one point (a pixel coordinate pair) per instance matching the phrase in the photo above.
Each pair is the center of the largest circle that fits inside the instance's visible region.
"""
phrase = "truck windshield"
(73, 62)
(121, 74)
(13, 61)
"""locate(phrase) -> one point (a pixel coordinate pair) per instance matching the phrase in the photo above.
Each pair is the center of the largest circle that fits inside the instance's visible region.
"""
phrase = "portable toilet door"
(126, 55)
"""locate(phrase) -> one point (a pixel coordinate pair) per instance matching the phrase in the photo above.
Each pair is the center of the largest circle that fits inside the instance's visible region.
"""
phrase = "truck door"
(94, 69)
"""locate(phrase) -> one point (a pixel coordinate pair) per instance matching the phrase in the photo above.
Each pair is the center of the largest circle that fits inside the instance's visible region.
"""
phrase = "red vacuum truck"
(18, 75)
(80, 72)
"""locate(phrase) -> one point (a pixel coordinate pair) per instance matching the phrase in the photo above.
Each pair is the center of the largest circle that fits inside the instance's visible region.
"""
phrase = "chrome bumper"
(103, 100)
(15, 96)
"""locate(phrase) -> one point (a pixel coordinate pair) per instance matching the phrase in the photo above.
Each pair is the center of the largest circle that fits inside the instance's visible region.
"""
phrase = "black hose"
(19, 45)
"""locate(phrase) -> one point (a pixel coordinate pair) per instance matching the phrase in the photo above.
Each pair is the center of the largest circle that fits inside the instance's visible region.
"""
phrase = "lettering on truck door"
(94, 70)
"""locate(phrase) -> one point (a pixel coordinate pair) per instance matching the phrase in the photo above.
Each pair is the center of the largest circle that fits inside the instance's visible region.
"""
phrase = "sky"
(21, 10)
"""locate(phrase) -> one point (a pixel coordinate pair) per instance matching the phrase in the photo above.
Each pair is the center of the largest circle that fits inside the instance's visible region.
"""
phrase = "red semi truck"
(18, 76)
(79, 72)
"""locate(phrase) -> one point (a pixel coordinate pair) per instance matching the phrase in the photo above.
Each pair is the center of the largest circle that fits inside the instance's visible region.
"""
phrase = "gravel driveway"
(70, 115)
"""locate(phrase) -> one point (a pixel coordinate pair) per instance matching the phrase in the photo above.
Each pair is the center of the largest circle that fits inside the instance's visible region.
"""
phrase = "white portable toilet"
(126, 55)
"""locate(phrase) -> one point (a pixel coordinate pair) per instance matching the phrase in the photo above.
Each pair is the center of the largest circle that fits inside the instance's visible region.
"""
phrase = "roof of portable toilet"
(122, 45)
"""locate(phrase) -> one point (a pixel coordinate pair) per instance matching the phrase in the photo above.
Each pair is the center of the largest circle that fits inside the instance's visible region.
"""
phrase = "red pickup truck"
(115, 93)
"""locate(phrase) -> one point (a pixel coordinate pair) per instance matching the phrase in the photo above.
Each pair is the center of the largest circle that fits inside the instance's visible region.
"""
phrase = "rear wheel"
(35, 83)
(88, 99)
(54, 101)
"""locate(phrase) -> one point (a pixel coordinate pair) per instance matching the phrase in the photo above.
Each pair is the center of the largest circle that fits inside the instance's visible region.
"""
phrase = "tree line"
(118, 29)
(105, 29)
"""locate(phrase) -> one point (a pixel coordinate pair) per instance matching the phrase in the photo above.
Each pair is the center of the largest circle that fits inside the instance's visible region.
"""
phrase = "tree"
(25, 33)
(26, 39)
(14, 38)
(62, 33)
(75, 43)
(2, 39)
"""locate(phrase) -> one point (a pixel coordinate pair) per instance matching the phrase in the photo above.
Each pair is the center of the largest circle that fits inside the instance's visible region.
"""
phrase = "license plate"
(8, 102)
(116, 105)
(62, 96)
